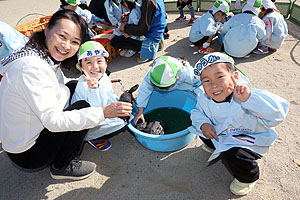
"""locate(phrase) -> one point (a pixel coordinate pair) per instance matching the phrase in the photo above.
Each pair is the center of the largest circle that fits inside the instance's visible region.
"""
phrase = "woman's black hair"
(38, 39)
(131, 4)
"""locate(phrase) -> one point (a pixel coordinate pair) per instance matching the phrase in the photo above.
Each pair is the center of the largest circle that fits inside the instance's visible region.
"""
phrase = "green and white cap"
(252, 5)
(90, 49)
(73, 2)
(268, 4)
(164, 71)
(218, 57)
(220, 5)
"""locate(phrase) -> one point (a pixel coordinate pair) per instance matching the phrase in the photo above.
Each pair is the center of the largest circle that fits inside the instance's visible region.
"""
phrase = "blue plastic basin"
(184, 100)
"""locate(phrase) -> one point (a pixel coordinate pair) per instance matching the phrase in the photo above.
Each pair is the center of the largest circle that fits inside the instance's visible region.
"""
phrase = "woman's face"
(63, 39)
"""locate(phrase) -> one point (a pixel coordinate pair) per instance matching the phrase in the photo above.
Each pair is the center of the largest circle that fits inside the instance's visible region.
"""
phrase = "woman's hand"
(209, 131)
(117, 109)
(139, 116)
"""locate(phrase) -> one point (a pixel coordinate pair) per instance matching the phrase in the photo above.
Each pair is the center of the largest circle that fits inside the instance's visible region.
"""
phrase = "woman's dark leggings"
(57, 148)
(240, 162)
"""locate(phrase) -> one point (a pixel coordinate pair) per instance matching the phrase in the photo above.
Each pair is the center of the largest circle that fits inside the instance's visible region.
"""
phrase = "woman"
(37, 127)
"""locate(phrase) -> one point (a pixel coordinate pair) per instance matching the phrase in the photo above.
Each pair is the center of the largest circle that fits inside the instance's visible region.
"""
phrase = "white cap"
(253, 6)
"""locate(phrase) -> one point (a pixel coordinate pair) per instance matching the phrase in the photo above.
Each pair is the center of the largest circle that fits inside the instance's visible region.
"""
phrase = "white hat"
(218, 57)
(220, 5)
(253, 6)
(164, 71)
(268, 4)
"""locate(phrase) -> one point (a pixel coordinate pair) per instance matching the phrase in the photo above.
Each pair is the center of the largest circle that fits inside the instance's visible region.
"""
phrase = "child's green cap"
(73, 2)
(91, 48)
(218, 57)
(222, 6)
(164, 71)
(252, 5)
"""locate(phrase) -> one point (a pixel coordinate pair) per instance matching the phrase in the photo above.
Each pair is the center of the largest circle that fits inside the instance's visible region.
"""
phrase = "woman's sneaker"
(130, 53)
(100, 144)
(76, 170)
(123, 52)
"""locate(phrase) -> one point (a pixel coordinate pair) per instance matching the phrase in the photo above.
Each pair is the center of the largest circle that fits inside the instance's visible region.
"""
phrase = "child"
(234, 121)
(243, 31)
(85, 14)
(167, 74)
(180, 5)
(276, 28)
(95, 87)
(132, 17)
(10, 40)
(205, 28)
(114, 11)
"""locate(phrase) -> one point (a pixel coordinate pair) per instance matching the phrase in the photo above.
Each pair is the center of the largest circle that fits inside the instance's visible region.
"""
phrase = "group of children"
(257, 29)
(235, 123)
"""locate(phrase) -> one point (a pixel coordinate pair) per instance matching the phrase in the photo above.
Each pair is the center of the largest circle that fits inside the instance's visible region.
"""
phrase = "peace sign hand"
(91, 82)
(240, 92)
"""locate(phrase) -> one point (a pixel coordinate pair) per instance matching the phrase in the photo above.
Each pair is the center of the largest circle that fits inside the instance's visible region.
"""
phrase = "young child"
(95, 87)
(243, 31)
(167, 74)
(180, 5)
(85, 14)
(276, 28)
(205, 27)
(233, 121)
(132, 17)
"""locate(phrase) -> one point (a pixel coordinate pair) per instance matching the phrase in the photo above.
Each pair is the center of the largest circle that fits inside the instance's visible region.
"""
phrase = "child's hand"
(218, 26)
(126, 35)
(240, 92)
(209, 131)
(91, 82)
(139, 115)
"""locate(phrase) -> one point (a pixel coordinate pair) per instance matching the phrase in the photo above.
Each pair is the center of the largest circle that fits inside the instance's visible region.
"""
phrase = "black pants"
(240, 162)
(121, 42)
(201, 42)
(57, 148)
(183, 4)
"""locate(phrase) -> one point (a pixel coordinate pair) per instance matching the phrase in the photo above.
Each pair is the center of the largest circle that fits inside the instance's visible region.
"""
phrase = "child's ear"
(236, 75)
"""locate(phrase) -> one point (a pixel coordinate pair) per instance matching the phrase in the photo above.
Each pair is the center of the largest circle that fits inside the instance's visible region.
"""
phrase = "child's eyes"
(220, 76)
(205, 81)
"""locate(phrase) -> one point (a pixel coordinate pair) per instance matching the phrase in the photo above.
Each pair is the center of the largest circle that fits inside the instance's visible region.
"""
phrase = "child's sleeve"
(261, 31)
(110, 13)
(208, 28)
(11, 38)
(198, 115)
(270, 108)
(145, 92)
(86, 13)
(193, 83)
(225, 27)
